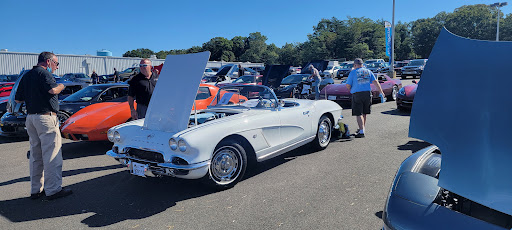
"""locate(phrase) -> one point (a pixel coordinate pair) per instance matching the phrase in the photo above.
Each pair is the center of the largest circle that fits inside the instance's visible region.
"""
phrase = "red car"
(5, 88)
(340, 92)
(92, 122)
(406, 95)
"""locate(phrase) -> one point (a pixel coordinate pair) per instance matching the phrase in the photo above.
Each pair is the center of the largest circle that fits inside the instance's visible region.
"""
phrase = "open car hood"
(274, 74)
(472, 131)
(174, 95)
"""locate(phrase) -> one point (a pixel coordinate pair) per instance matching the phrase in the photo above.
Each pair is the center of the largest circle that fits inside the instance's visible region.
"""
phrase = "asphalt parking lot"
(342, 187)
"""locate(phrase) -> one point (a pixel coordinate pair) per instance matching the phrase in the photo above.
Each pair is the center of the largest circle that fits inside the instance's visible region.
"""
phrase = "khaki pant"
(45, 153)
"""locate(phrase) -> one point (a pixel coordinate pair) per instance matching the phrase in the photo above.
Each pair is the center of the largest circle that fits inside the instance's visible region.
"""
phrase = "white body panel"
(269, 131)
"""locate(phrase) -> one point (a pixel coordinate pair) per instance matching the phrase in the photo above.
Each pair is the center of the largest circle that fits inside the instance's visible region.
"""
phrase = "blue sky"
(83, 27)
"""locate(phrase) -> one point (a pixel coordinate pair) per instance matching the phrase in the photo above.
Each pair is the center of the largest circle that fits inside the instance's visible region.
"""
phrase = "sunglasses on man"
(56, 63)
(144, 65)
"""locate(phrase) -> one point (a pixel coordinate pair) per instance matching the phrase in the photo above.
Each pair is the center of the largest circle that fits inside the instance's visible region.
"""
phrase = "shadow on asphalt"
(120, 196)
(110, 199)
(80, 149)
(379, 214)
(397, 112)
(5, 140)
(414, 146)
(66, 173)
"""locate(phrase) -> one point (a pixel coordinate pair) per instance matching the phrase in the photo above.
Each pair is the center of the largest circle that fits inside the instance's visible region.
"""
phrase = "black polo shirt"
(33, 89)
(142, 88)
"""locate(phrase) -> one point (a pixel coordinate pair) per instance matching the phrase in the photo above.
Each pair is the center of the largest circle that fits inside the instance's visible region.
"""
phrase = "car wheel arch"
(251, 153)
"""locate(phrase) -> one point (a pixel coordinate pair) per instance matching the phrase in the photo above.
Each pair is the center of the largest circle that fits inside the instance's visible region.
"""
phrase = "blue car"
(463, 180)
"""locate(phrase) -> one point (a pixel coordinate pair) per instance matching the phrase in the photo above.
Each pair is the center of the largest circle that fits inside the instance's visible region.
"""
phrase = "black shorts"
(361, 103)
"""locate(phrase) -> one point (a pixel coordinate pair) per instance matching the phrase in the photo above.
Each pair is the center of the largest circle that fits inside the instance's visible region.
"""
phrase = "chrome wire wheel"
(225, 165)
(394, 93)
(324, 132)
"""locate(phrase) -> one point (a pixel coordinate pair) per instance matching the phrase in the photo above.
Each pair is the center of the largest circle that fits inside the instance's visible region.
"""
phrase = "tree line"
(352, 38)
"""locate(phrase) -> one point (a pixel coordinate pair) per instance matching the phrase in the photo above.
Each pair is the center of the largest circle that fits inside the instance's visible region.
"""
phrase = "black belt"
(46, 113)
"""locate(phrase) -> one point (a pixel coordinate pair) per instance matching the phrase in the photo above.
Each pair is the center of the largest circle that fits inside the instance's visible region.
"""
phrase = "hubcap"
(225, 165)
(394, 92)
(323, 132)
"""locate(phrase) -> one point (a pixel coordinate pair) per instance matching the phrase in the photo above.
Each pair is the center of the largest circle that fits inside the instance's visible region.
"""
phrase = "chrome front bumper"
(152, 169)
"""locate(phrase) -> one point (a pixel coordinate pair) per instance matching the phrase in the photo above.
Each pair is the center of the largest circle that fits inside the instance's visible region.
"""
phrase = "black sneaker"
(359, 135)
(62, 193)
(36, 195)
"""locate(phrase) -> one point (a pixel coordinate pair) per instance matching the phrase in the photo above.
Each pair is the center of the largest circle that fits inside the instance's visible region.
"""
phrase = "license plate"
(138, 169)
(331, 97)
(408, 72)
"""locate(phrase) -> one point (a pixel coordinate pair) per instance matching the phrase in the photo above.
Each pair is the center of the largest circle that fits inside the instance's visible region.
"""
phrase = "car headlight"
(110, 135)
(182, 145)
(173, 144)
(401, 91)
(117, 136)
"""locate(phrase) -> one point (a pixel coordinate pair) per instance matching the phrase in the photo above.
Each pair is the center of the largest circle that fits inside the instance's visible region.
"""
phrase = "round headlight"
(182, 145)
(117, 136)
(110, 135)
(173, 144)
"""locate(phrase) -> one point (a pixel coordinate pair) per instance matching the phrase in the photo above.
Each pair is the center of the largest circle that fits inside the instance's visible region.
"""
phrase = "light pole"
(498, 5)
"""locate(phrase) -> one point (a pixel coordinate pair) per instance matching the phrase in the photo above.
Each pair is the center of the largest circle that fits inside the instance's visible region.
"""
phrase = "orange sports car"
(92, 122)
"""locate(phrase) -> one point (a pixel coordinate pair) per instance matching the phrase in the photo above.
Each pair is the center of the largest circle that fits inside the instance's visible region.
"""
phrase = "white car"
(218, 143)
(208, 72)
(331, 71)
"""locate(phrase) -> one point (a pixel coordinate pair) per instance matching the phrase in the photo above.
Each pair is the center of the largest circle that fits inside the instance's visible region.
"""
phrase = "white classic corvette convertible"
(217, 144)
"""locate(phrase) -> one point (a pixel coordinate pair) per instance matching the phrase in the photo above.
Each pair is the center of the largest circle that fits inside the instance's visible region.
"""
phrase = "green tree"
(424, 35)
(217, 46)
(238, 46)
(141, 52)
(473, 21)
(255, 47)
(289, 54)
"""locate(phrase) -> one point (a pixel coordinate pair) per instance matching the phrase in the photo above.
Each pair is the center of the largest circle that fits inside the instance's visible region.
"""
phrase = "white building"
(14, 62)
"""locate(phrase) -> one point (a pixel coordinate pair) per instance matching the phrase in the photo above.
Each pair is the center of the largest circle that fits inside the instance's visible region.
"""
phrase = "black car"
(115, 92)
(12, 122)
(290, 83)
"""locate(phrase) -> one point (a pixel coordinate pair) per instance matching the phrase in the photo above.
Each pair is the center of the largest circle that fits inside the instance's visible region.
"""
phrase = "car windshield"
(328, 68)
(294, 79)
(244, 79)
(129, 70)
(244, 96)
(401, 64)
(85, 94)
(81, 76)
(202, 93)
(250, 71)
(210, 79)
(416, 63)
(373, 65)
(347, 66)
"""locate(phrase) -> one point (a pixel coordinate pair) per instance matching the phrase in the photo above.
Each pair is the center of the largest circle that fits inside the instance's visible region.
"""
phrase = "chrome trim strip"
(162, 165)
(286, 148)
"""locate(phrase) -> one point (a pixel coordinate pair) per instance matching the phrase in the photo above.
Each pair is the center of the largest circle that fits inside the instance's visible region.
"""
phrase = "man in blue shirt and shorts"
(358, 82)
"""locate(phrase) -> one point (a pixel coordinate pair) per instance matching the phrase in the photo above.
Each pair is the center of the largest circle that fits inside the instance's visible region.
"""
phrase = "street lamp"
(498, 5)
